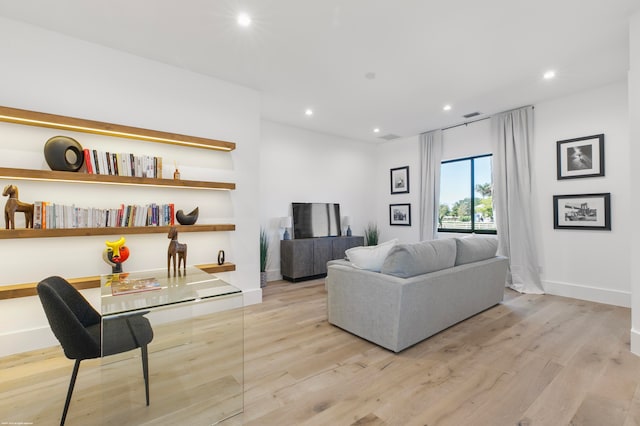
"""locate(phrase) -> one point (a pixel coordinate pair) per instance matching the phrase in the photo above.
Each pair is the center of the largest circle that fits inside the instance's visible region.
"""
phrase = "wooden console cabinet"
(307, 258)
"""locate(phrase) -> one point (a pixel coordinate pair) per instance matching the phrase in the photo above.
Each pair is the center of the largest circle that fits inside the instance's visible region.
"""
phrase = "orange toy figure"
(115, 254)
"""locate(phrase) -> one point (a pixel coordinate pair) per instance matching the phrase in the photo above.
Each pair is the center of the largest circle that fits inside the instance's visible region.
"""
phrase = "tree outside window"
(466, 196)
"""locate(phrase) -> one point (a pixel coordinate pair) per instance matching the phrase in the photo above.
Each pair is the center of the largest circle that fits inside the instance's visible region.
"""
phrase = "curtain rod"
(466, 123)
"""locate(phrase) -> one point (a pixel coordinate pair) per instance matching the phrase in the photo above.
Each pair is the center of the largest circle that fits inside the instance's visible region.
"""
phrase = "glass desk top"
(139, 290)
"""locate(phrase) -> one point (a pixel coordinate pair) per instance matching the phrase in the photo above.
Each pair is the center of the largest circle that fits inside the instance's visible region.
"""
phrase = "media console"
(306, 258)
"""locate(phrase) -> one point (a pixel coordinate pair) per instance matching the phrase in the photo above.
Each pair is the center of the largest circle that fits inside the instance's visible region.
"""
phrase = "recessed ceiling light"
(244, 20)
(447, 107)
(308, 111)
(376, 130)
(549, 74)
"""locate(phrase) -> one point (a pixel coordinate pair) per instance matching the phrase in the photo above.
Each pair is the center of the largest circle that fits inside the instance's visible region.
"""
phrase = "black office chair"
(79, 329)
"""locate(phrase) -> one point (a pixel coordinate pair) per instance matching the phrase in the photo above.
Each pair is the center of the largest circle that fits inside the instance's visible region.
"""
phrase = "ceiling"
(485, 56)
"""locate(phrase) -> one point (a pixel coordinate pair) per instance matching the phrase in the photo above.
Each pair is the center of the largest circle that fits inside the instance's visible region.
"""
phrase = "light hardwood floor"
(533, 360)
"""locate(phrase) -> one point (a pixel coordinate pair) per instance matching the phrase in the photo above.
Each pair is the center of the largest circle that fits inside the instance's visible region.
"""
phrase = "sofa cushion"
(474, 249)
(370, 258)
(409, 260)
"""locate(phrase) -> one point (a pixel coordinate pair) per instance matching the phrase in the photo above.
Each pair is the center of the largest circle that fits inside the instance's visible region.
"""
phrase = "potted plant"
(371, 234)
(264, 256)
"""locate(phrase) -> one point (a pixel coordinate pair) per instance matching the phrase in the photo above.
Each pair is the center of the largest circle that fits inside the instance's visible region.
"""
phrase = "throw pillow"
(474, 249)
(370, 258)
(409, 260)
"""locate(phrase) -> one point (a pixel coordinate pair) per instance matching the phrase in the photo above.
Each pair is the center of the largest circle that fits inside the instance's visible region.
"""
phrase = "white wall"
(590, 265)
(458, 142)
(393, 154)
(466, 141)
(634, 154)
(297, 165)
(48, 72)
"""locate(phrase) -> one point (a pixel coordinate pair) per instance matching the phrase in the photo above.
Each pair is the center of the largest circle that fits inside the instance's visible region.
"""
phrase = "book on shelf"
(37, 215)
(126, 285)
(122, 164)
(87, 161)
(49, 215)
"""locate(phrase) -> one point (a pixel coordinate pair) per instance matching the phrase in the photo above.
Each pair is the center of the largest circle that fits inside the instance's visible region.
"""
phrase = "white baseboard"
(635, 341)
(274, 275)
(26, 340)
(252, 297)
(592, 294)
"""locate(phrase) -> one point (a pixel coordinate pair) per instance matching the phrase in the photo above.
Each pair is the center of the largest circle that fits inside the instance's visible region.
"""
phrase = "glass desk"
(196, 356)
(142, 290)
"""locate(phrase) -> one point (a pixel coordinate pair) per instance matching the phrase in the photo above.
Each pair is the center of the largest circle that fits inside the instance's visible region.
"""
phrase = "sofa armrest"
(364, 303)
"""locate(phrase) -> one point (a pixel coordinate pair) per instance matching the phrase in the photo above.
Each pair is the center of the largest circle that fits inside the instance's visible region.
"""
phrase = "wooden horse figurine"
(14, 205)
(176, 248)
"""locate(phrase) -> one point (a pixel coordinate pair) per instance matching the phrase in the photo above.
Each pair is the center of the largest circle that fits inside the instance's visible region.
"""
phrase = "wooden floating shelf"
(214, 268)
(29, 289)
(124, 230)
(57, 176)
(41, 119)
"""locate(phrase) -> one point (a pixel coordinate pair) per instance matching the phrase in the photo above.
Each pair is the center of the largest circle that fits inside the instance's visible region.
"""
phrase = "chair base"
(72, 383)
(74, 375)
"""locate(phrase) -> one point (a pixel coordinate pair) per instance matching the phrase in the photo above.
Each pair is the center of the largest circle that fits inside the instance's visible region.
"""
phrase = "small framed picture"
(582, 211)
(400, 214)
(400, 180)
(581, 157)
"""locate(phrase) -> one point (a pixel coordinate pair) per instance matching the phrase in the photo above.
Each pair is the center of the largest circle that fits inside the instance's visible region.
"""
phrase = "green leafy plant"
(371, 234)
(264, 249)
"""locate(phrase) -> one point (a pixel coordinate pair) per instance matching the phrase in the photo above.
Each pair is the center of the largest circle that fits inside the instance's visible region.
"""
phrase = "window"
(466, 196)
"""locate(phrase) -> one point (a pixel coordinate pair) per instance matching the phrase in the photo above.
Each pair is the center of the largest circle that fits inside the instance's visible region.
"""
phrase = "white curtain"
(512, 135)
(430, 158)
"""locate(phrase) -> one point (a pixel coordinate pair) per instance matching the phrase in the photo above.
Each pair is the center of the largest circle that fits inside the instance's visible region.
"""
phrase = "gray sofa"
(421, 289)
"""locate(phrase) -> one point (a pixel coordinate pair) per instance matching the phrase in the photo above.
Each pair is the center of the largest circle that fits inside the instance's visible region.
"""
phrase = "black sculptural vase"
(63, 154)
(188, 218)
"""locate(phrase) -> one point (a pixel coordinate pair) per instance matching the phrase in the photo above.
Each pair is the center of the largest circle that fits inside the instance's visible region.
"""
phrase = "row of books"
(123, 164)
(58, 216)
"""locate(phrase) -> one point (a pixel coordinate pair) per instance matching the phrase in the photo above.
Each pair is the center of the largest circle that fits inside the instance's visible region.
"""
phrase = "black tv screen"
(316, 220)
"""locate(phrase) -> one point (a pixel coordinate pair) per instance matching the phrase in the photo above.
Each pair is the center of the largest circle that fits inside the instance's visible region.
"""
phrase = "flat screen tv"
(316, 220)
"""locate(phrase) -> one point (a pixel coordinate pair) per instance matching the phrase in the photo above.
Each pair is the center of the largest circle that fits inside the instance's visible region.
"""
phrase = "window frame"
(473, 229)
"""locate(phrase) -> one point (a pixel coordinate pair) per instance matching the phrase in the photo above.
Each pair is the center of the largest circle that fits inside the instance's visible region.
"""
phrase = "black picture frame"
(580, 157)
(400, 214)
(399, 180)
(582, 211)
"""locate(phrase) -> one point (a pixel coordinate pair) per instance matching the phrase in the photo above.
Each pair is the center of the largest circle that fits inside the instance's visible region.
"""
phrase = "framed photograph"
(400, 180)
(582, 211)
(400, 214)
(581, 157)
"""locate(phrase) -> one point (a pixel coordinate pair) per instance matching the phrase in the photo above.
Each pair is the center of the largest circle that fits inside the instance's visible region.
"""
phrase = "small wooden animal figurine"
(14, 205)
(176, 248)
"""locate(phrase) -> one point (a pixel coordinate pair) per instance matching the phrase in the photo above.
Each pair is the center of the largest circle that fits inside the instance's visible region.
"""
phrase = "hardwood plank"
(535, 359)
(560, 401)
(633, 414)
